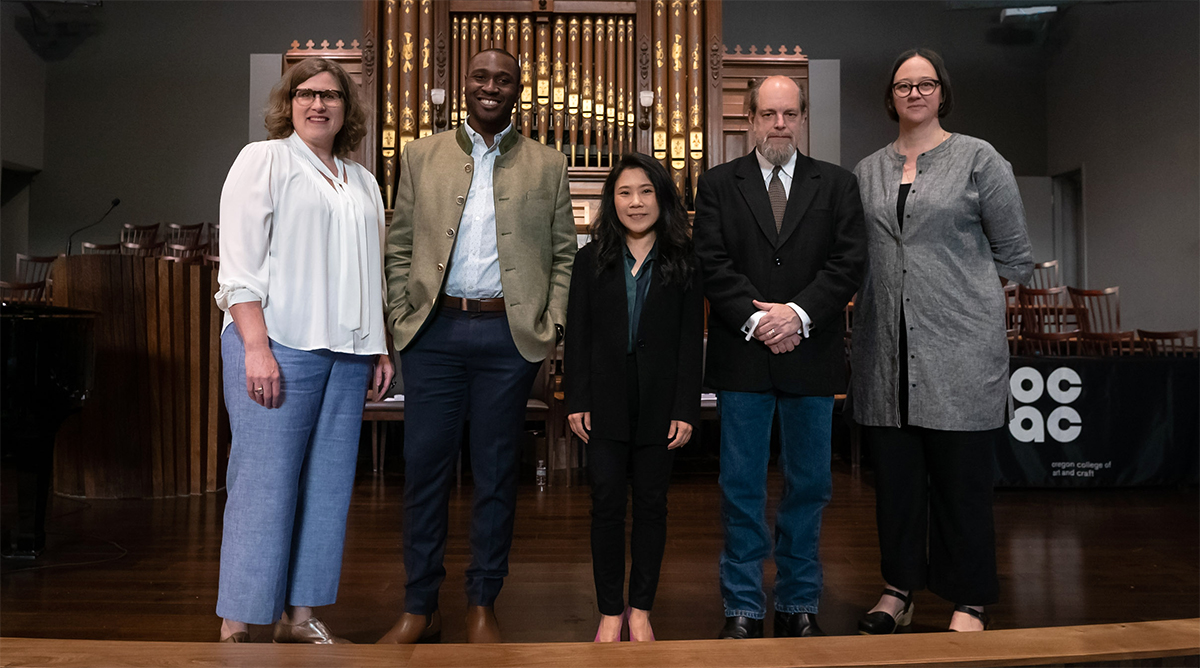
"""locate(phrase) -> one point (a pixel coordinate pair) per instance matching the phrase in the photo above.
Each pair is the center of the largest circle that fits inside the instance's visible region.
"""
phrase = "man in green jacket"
(478, 266)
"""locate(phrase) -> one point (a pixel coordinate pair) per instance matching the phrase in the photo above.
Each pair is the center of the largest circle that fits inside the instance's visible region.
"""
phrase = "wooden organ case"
(585, 67)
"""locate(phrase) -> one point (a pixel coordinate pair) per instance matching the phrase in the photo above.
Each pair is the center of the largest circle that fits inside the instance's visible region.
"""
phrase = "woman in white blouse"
(302, 285)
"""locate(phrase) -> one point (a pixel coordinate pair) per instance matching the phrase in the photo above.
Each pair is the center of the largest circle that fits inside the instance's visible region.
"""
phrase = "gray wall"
(1124, 105)
(152, 109)
(22, 128)
(1000, 90)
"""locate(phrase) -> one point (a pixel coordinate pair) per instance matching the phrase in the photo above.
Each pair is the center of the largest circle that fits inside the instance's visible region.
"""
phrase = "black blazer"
(668, 347)
(816, 260)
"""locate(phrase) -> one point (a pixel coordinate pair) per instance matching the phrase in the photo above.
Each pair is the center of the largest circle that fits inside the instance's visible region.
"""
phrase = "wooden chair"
(1045, 310)
(184, 235)
(185, 250)
(142, 250)
(1056, 344)
(32, 268)
(139, 234)
(1108, 344)
(1099, 310)
(1012, 315)
(89, 248)
(212, 260)
(1045, 275)
(1170, 344)
(213, 237)
(23, 292)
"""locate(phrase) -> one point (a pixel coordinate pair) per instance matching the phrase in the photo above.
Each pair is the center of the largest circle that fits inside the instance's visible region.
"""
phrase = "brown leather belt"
(473, 305)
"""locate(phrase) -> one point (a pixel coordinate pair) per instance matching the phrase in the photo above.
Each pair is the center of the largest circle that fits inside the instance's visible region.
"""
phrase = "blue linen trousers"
(805, 426)
(291, 470)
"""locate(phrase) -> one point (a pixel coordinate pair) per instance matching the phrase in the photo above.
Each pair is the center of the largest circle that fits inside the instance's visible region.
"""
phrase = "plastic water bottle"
(541, 475)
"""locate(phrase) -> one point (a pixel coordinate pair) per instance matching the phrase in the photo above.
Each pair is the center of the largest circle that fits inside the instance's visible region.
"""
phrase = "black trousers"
(609, 464)
(933, 506)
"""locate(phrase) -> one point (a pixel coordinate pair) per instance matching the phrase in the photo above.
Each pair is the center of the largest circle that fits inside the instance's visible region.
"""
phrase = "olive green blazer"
(535, 234)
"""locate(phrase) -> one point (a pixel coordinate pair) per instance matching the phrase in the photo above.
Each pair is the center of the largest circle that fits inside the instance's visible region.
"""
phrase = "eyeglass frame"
(338, 99)
(917, 87)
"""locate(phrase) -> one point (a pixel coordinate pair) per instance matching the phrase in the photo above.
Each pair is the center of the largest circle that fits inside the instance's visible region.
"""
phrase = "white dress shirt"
(310, 252)
(475, 264)
(785, 176)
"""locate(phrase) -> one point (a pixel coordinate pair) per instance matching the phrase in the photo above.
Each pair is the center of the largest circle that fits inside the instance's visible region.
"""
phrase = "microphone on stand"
(115, 202)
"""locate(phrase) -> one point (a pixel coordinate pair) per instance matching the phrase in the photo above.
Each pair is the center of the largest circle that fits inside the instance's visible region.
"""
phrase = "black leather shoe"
(740, 628)
(982, 616)
(881, 623)
(796, 625)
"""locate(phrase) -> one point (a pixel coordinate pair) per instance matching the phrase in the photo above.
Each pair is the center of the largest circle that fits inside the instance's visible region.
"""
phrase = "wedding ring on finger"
(258, 390)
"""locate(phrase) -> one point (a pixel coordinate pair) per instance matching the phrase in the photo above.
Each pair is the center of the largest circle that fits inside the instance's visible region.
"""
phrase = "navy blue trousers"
(462, 366)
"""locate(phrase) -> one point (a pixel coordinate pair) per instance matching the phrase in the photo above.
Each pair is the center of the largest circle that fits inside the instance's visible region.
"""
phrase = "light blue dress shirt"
(475, 264)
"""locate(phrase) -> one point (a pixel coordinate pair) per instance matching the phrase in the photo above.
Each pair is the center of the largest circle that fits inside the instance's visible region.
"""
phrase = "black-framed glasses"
(306, 96)
(925, 88)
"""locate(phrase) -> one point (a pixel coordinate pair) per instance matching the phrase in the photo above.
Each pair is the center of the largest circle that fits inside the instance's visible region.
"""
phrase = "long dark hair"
(676, 255)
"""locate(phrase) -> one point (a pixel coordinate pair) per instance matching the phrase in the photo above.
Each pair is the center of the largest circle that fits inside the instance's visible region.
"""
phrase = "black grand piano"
(48, 355)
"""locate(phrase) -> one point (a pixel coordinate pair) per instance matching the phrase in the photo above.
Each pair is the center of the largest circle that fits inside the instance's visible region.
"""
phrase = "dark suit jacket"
(668, 347)
(816, 260)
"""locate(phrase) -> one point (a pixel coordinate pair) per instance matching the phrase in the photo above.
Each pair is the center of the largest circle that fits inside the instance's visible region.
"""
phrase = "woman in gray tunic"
(945, 229)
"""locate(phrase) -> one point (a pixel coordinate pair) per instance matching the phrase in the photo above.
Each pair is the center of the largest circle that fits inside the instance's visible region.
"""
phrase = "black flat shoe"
(881, 623)
(796, 625)
(740, 628)
(982, 615)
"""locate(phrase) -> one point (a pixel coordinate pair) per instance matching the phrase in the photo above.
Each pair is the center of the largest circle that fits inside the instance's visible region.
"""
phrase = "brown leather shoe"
(482, 626)
(411, 629)
(311, 630)
(237, 636)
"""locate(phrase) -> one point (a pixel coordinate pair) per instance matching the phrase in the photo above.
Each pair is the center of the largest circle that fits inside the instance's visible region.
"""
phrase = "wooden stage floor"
(147, 570)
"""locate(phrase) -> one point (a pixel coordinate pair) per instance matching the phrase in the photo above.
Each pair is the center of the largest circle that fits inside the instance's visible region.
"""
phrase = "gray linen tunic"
(964, 226)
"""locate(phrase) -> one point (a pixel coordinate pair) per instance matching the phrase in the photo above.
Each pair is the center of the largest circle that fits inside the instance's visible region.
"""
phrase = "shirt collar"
(477, 138)
(649, 256)
(765, 165)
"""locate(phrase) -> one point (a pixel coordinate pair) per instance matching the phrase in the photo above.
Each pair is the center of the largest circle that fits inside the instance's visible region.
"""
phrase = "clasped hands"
(680, 432)
(779, 328)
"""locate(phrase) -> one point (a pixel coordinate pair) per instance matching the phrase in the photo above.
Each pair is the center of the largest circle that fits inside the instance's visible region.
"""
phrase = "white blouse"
(312, 253)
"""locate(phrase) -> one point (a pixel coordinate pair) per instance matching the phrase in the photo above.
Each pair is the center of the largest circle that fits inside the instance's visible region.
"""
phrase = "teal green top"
(636, 287)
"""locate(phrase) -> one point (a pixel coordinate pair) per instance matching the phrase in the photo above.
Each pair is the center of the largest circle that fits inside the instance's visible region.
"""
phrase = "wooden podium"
(155, 424)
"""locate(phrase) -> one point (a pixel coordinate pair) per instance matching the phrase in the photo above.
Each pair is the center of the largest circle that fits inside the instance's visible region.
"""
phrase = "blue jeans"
(805, 424)
(291, 470)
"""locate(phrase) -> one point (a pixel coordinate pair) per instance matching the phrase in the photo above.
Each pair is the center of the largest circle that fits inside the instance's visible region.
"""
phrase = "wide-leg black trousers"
(933, 506)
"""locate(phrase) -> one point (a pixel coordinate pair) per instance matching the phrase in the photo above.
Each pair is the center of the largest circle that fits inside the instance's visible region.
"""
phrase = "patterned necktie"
(778, 198)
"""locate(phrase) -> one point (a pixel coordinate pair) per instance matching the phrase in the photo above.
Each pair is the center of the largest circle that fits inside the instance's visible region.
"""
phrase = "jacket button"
(467, 168)
(441, 267)
(778, 262)
(460, 199)
(641, 343)
(450, 232)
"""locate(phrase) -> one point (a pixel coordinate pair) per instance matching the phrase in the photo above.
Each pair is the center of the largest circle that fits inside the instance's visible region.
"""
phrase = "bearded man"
(782, 249)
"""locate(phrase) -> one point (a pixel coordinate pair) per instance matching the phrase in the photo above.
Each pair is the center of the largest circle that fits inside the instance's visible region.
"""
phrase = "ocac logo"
(1027, 386)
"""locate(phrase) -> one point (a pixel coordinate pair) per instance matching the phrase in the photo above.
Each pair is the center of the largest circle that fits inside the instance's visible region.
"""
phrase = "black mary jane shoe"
(796, 625)
(881, 623)
(982, 615)
(740, 628)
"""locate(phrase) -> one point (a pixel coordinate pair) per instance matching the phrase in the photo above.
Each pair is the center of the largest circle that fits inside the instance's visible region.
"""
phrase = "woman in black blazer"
(632, 357)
